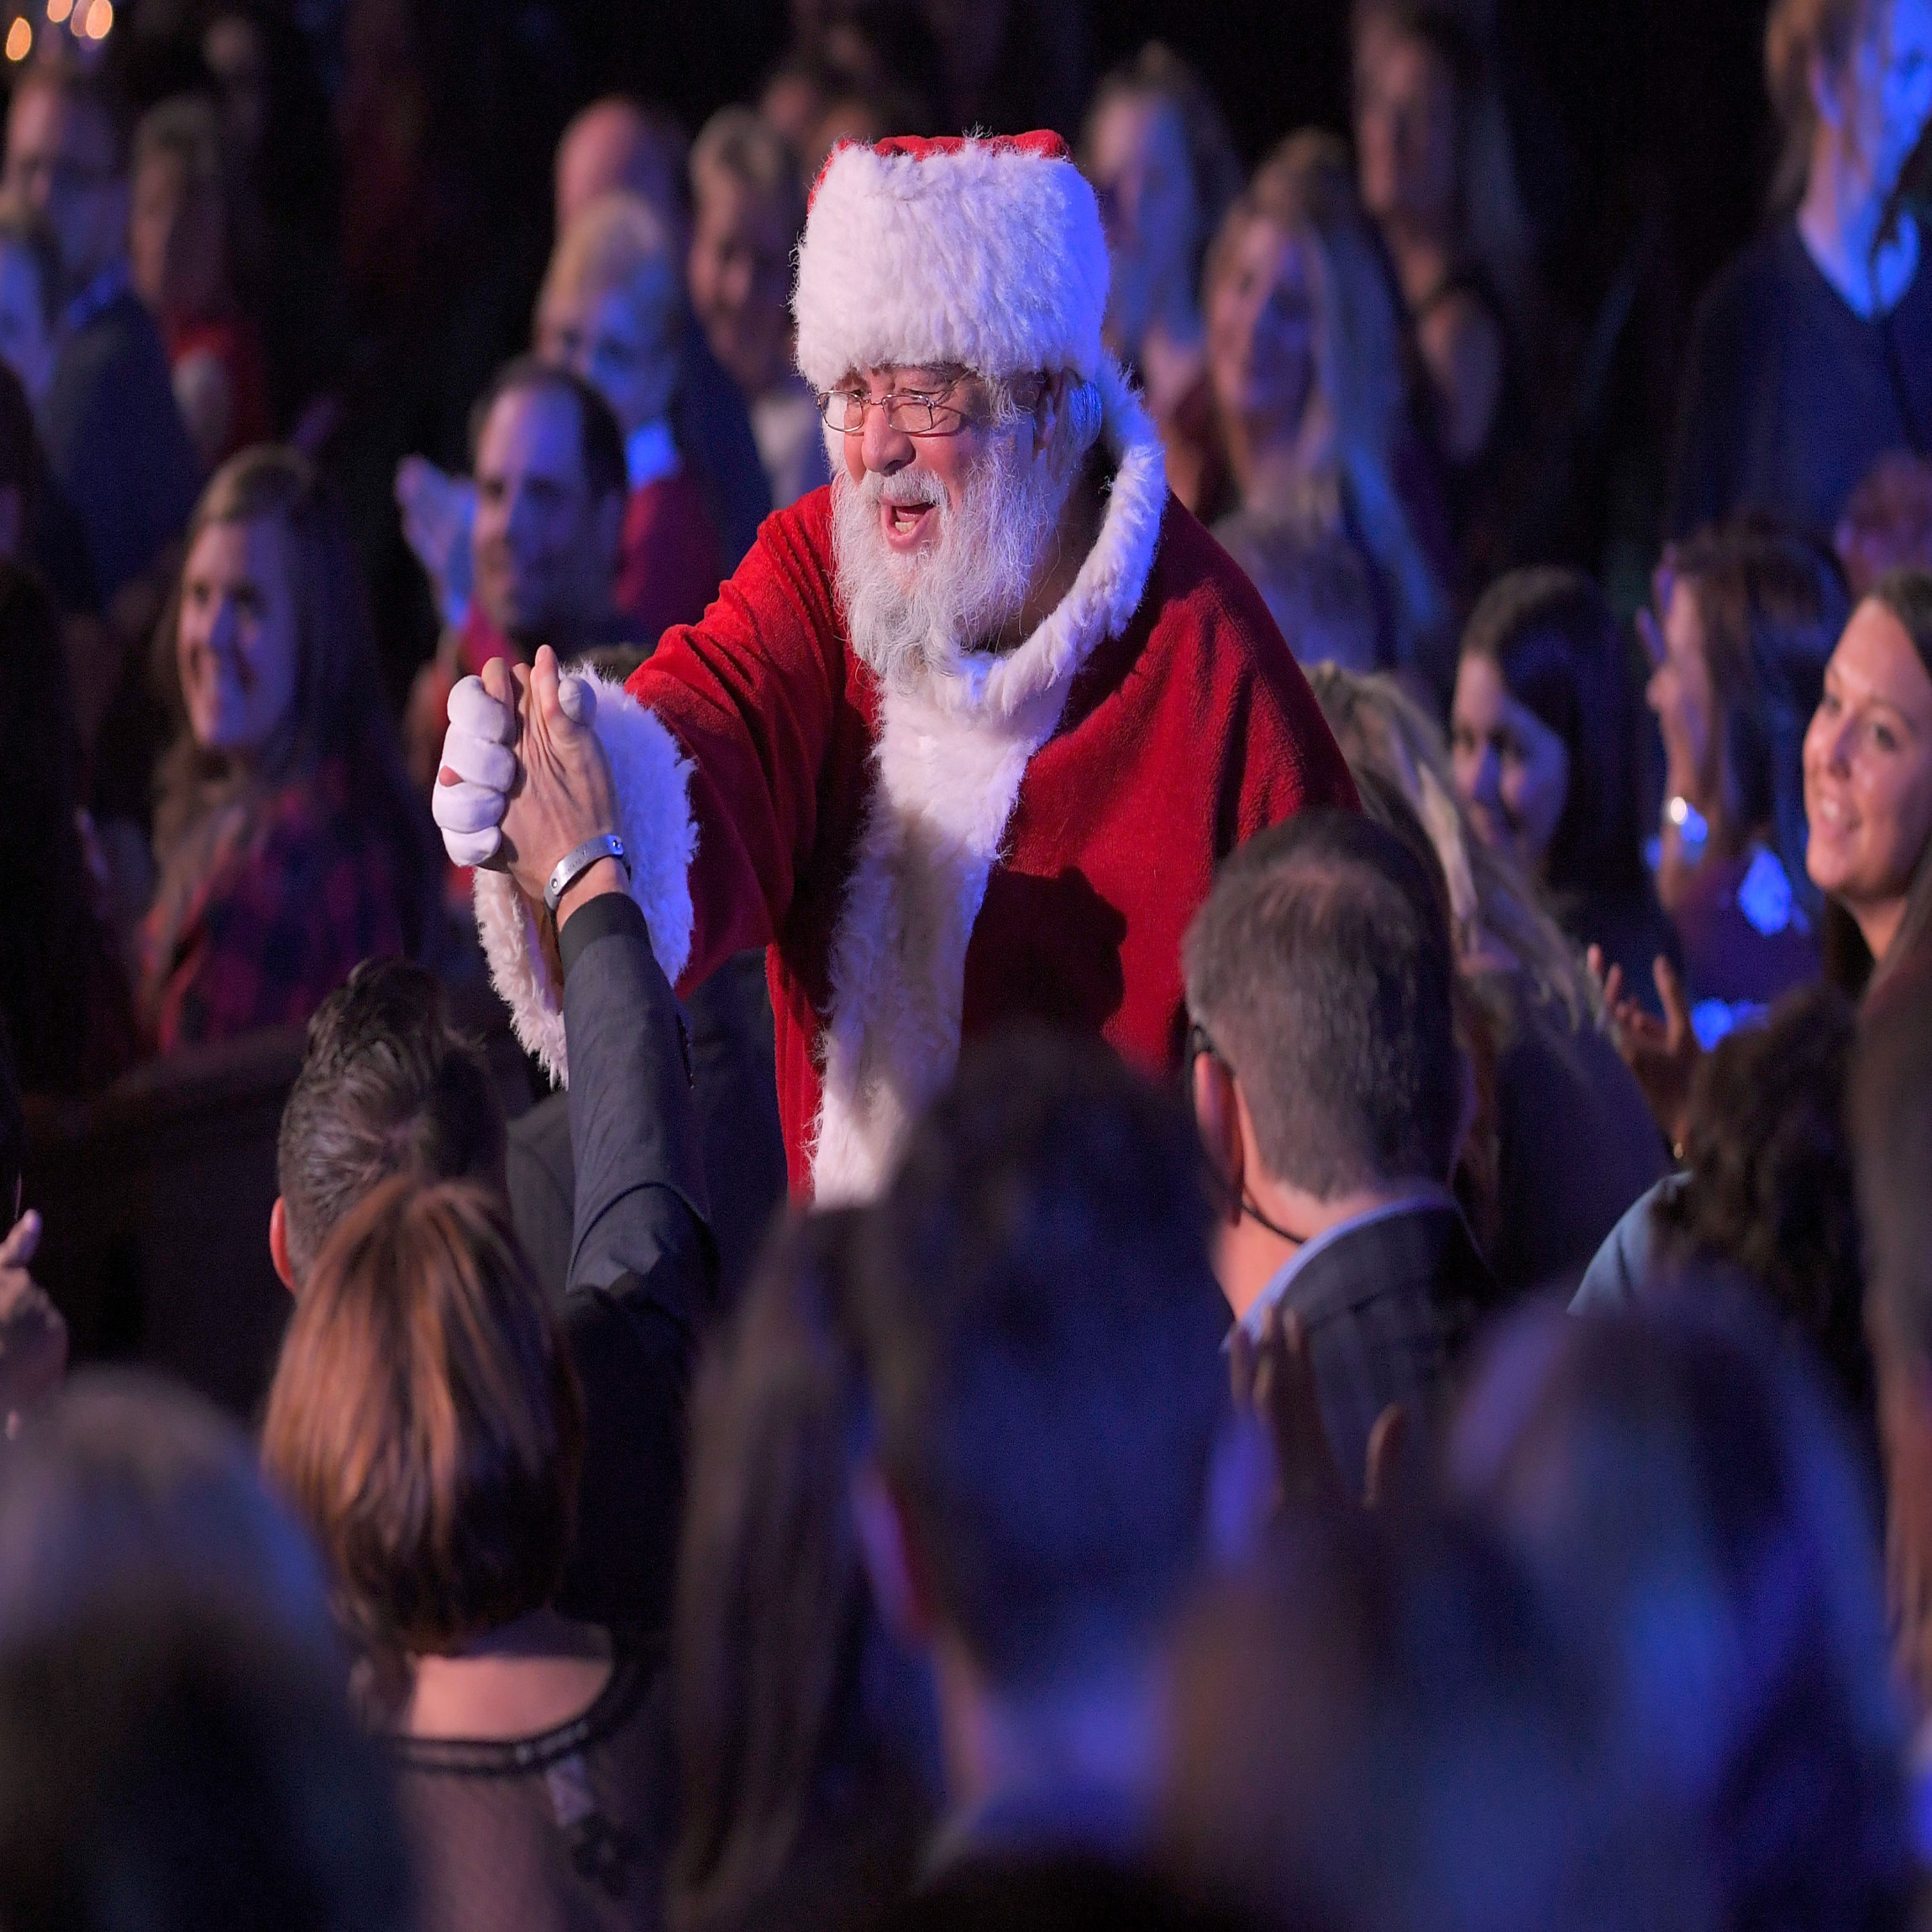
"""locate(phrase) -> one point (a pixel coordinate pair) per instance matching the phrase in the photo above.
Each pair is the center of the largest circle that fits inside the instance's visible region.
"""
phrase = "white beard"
(910, 617)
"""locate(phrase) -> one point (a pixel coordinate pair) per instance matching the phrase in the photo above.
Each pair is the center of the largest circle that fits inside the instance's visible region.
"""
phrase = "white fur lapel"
(660, 836)
(950, 759)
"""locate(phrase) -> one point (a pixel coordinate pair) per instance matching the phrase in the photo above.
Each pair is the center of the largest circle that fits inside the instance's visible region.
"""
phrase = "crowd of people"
(1350, 1344)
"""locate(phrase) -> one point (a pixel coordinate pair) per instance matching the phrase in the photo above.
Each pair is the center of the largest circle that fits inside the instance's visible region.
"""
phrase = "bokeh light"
(100, 19)
(58, 11)
(19, 39)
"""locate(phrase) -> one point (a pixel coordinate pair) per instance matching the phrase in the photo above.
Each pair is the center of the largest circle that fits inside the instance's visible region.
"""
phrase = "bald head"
(616, 144)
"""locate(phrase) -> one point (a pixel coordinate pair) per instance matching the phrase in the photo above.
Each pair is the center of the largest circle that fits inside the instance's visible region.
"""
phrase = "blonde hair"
(617, 244)
(1306, 185)
(1381, 728)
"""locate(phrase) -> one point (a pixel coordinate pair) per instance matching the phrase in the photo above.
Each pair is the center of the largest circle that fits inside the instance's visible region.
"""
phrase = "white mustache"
(907, 487)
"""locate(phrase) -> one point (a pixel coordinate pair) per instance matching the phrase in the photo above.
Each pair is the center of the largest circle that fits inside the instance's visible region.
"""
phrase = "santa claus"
(966, 734)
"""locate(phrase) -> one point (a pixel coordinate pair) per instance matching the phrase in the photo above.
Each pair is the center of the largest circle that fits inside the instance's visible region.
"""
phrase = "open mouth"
(906, 524)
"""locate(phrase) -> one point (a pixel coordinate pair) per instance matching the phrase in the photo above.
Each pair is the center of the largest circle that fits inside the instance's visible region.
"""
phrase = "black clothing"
(712, 425)
(644, 1269)
(567, 1831)
(1788, 397)
(115, 441)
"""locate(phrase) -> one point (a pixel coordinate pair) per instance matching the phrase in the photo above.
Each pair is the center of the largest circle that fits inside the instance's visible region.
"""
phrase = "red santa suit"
(1024, 834)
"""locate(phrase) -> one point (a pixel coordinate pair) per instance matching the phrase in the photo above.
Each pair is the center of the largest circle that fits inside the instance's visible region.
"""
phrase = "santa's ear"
(894, 1567)
(278, 1244)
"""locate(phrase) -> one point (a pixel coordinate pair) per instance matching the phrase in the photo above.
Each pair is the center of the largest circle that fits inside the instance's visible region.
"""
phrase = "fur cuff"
(652, 776)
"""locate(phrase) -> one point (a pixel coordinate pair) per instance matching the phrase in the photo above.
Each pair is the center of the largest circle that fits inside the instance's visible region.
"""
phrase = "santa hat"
(987, 252)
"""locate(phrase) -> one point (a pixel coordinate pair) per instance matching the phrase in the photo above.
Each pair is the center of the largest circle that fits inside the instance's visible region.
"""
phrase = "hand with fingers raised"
(1662, 1053)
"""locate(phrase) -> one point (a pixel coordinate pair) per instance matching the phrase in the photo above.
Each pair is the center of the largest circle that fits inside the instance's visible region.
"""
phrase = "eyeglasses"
(908, 411)
(1199, 1042)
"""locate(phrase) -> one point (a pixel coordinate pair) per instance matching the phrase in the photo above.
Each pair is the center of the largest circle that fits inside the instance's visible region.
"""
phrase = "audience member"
(30, 302)
(1887, 522)
(1692, 1524)
(1304, 357)
(125, 1486)
(168, 1765)
(1575, 1142)
(114, 432)
(1433, 157)
(1543, 743)
(615, 144)
(1744, 622)
(180, 250)
(1040, 1337)
(1385, 1732)
(1867, 767)
(1329, 1089)
(1811, 355)
(443, 1496)
(1158, 155)
(387, 1089)
(1765, 1194)
(750, 210)
(805, 1733)
(289, 842)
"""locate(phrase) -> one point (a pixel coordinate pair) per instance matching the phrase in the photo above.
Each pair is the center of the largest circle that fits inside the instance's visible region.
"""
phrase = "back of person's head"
(1376, 1730)
(1551, 635)
(600, 440)
(786, 1758)
(1768, 1191)
(171, 1764)
(1043, 1332)
(387, 1086)
(125, 1482)
(425, 1420)
(1381, 728)
(1322, 968)
(1692, 1517)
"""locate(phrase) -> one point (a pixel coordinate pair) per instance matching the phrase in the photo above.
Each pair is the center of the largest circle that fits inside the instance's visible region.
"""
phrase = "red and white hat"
(983, 251)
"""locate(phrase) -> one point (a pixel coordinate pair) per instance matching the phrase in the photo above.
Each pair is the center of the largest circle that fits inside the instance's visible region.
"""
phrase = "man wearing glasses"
(114, 436)
(965, 736)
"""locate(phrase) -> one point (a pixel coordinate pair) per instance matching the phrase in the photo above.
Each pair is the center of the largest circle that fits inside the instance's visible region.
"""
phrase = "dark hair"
(1769, 1187)
(386, 1087)
(1769, 603)
(168, 1765)
(1908, 595)
(12, 1130)
(600, 442)
(1551, 636)
(1042, 1333)
(19, 447)
(1891, 1110)
(783, 1756)
(1695, 1525)
(338, 709)
(426, 1422)
(1322, 968)
(93, 88)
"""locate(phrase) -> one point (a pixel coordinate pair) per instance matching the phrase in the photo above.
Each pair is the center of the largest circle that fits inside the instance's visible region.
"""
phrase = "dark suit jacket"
(644, 1269)
(1388, 1308)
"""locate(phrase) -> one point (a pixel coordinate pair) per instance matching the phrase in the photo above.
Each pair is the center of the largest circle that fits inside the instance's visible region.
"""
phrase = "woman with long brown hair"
(289, 843)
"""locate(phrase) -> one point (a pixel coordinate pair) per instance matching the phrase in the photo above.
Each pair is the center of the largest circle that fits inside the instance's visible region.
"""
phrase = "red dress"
(1030, 840)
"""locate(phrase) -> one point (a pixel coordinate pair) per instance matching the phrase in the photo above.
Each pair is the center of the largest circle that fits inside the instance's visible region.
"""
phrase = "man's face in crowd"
(740, 278)
(61, 162)
(938, 538)
(544, 554)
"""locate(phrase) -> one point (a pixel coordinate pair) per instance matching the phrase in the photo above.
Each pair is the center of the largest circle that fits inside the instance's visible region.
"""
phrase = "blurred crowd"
(1453, 1449)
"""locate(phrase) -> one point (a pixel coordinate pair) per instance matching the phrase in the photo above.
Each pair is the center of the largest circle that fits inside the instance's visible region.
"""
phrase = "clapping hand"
(1662, 1053)
(438, 511)
(32, 1336)
(1273, 1380)
(564, 795)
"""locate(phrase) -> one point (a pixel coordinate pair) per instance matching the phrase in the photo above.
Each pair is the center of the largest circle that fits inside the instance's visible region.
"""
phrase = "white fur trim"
(983, 254)
(651, 777)
(950, 759)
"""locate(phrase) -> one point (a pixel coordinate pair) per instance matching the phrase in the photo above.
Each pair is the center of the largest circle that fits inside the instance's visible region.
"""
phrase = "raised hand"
(438, 511)
(565, 795)
(1662, 1053)
(32, 1335)
(479, 767)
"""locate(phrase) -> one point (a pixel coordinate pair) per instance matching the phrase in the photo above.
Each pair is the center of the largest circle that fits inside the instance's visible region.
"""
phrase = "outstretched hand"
(1273, 1379)
(1662, 1053)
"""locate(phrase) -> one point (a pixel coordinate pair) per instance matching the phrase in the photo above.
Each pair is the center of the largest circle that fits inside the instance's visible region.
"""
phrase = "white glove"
(477, 749)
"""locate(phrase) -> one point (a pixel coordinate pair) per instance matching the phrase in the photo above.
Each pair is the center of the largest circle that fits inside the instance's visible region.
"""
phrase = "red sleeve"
(753, 694)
